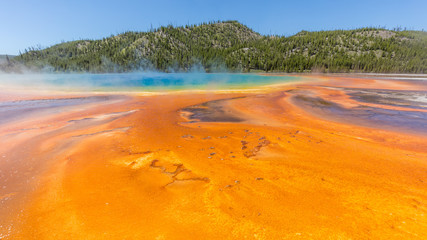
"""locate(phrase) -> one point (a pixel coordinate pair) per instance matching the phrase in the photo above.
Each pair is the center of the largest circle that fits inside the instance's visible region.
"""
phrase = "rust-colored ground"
(139, 167)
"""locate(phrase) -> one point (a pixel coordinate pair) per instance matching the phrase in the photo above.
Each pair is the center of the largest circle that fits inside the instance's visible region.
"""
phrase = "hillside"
(232, 46)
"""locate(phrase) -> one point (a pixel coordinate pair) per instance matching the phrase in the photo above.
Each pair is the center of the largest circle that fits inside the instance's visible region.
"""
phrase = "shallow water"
(380, 118)
(141, 81)
(11, 111)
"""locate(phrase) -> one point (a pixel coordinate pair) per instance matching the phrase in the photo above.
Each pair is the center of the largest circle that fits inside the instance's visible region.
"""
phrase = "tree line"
(231, 46)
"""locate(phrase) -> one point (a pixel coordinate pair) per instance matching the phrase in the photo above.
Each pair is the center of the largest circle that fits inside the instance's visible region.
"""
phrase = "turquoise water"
(143, 81)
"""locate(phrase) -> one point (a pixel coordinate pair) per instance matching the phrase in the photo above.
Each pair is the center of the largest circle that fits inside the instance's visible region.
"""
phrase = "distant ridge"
(5, 56)
(7, 64)
(232, 46)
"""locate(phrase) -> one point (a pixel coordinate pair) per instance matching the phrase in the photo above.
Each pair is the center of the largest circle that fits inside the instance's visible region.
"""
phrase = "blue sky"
(26, 23)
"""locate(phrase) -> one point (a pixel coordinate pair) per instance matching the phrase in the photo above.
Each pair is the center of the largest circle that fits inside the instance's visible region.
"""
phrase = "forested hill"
(231, 46)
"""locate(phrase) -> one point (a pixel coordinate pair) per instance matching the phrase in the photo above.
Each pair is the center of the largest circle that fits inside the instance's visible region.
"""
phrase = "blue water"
(143, 81)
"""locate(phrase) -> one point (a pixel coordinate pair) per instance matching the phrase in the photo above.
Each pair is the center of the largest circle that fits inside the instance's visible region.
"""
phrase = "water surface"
(142, 81)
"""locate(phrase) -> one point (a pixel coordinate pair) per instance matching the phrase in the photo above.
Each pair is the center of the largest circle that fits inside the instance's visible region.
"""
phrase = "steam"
(142, 78)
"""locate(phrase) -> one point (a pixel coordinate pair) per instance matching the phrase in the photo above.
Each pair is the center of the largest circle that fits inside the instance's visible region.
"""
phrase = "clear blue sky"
(27, 23)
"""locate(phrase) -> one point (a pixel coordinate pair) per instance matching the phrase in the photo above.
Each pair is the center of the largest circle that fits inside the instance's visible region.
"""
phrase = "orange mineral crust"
(327, 159)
